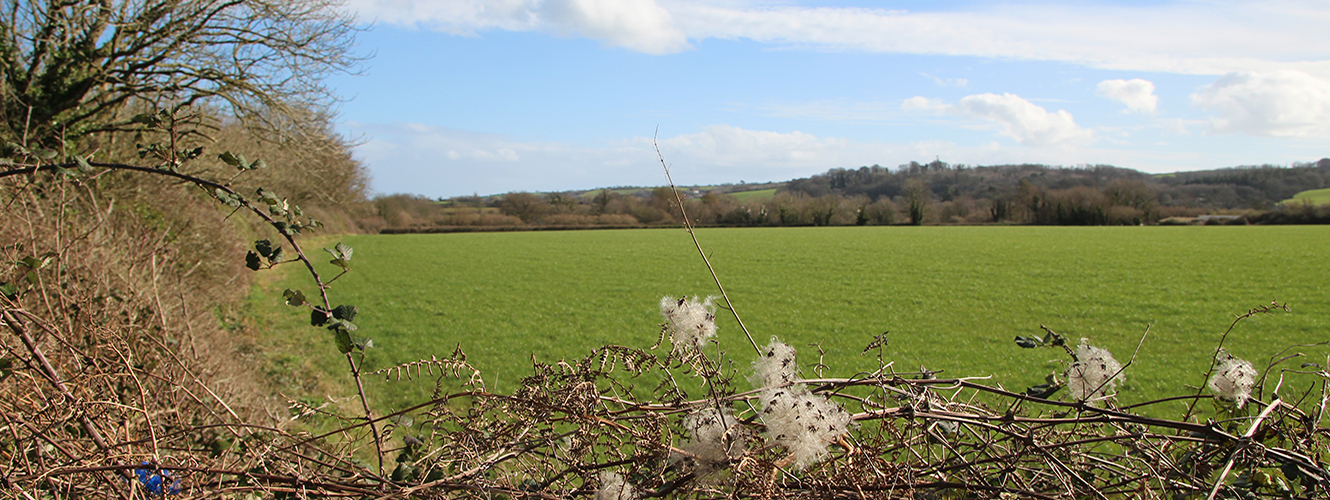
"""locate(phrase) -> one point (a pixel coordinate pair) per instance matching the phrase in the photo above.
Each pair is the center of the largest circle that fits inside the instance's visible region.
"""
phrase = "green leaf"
(227, 198)
(1028, 342)
(276, 256)
(318, 317)
(364, 343)
(294, 297)
(44, 154)
(13, 149)
(264, 247)
(83, 164)
(145, 119)
(1043, 391)
(344, 251)
(257, 164)
(343, 338)
(31, 278)
(252, 260)
(9, 290)
(190, 154)
(345, 312)
(341, 256)
(6, 368)
(231, 159)
(268, 197)
(404, 420)
(34, 263)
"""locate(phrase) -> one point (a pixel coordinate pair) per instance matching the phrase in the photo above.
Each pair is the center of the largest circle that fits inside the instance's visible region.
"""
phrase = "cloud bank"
(1185, 37)
(439, 161)
(1278, 104)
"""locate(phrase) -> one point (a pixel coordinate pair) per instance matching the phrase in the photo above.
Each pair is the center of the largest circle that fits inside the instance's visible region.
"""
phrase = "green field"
(1314, 196)
(760, 194)
(953, 298)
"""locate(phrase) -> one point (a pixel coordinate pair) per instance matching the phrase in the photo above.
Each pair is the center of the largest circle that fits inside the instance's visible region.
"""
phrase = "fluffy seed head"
(1233, 378)
(614, 487)
(714, 437)
(688, 323)
(1092, 375)
(802, 422)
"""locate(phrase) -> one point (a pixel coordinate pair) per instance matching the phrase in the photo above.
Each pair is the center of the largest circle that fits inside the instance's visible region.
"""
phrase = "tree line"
(914, 193)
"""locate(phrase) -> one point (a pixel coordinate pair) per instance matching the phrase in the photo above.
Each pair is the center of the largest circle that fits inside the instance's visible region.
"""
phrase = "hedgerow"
(105, 396)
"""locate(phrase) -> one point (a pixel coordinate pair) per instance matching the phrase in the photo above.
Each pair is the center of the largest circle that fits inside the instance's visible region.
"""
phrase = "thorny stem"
(689, 226)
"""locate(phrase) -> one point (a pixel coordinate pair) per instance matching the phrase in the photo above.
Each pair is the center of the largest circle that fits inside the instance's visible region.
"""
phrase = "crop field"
(953, 298)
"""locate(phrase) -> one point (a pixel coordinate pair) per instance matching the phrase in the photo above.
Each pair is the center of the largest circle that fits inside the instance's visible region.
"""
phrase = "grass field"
(760, 194)
(1314, 196)
(953, 298)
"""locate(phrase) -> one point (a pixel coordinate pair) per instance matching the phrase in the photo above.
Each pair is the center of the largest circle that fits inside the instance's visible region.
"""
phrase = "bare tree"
(67, 68)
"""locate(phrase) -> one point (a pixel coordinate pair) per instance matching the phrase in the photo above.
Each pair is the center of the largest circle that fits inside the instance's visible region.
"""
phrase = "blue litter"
(157, 482)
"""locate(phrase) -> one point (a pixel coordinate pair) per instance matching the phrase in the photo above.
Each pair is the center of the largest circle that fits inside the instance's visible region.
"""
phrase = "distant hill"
(1228, 188)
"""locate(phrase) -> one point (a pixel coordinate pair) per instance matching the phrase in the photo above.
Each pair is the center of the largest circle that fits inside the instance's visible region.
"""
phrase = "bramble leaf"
(294, 297)
(1028, 342)
(8, 290)
(268, 197)
(231, 159)
(83, 164)
(344, 251)
(252, 260)
(343, 338)
(276, 256)
(341, 256)
(345, 312)
(1043, 391)
(34, 263)
(318, 317)
(6, 368)
(264, 247)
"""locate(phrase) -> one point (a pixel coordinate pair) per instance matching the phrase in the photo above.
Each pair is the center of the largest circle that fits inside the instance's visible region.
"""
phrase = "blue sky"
(487, 97)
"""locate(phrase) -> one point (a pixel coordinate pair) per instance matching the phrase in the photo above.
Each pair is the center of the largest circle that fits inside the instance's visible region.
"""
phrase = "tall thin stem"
(689, 225)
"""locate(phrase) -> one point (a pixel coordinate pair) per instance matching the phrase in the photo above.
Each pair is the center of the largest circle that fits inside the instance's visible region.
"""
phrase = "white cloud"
(1137, 94)
(638, 25)
(461, 17)
(1017, 118)
(948, 82)
(1278, 104)
(1177, 37)
(725, 145)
